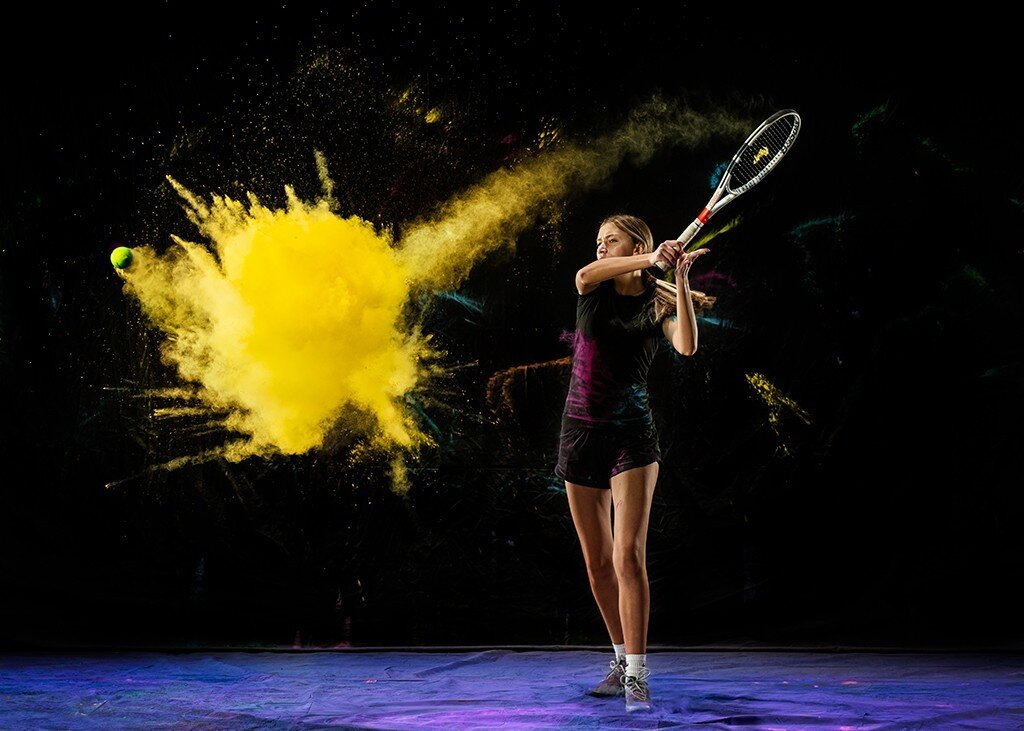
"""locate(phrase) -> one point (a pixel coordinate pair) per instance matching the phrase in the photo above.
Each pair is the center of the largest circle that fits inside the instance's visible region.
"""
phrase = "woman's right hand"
(668, 252)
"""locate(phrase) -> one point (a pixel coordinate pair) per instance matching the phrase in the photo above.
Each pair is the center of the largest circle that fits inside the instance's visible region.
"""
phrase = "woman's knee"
(601, 570)
(628, 559)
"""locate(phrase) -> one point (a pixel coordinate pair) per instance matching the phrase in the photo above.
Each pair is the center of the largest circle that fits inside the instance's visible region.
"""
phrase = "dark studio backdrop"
(873, 282)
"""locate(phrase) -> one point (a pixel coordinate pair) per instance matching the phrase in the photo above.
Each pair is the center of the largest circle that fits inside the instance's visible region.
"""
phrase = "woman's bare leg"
(633, 492)
(591, 512)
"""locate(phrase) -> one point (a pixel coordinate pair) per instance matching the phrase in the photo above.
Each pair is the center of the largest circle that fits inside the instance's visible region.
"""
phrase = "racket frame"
(717, 201)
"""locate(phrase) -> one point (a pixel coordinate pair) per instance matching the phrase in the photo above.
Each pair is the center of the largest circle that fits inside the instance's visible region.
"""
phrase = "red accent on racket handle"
(704, 215)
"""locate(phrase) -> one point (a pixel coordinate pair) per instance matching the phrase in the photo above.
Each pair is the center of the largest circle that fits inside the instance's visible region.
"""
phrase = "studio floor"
(507, 689)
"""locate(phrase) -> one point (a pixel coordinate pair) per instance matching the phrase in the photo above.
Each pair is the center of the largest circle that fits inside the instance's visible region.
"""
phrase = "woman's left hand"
(685, 260)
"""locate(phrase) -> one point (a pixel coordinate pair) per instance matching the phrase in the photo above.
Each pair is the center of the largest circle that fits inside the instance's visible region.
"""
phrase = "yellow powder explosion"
(292, 321)
(295, 319)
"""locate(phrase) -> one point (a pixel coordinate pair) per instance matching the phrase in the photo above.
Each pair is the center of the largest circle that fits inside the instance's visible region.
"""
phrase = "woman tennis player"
(608, 446)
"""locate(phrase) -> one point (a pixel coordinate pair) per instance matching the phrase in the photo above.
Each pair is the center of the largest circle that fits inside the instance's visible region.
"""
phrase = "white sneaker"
(638, 696)
(612, 684)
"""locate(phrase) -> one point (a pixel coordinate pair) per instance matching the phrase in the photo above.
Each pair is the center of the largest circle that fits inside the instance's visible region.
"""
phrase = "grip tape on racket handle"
(684, 238)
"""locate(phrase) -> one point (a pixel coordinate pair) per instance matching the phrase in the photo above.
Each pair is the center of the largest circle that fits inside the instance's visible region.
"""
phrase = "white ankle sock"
(620, 651)
(634, 663)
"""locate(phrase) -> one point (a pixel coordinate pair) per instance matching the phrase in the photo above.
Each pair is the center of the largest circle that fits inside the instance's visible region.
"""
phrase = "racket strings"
(763, 152)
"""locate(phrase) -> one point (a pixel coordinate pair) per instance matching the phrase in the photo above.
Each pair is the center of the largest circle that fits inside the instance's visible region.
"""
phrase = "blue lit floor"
(507, 689)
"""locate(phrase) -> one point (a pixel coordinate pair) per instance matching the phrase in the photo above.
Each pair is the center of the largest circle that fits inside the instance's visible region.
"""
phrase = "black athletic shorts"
(590, 455)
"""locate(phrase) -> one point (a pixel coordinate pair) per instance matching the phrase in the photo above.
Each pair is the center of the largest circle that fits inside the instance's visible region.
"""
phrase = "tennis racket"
(761, 152)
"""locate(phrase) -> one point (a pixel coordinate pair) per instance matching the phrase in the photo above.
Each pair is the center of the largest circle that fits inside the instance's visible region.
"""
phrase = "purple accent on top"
(596, 395)
(612, 352)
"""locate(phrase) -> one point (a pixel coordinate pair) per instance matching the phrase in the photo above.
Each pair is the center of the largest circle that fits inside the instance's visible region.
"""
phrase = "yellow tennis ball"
(121, 257)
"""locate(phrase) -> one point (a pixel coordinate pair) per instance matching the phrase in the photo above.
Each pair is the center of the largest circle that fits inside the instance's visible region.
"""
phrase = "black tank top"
(613, 347)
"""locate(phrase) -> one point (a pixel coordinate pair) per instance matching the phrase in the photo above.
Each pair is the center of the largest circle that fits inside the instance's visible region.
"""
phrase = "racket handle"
(684, 238)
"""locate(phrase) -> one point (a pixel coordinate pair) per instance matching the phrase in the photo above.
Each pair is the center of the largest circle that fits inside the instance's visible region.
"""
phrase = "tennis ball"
(121, 257)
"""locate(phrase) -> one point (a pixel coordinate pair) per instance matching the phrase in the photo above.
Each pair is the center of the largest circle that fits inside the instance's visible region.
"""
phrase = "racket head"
(762, 151)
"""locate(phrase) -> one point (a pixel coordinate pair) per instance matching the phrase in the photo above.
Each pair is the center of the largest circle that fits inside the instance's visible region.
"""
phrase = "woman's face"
(613, 241)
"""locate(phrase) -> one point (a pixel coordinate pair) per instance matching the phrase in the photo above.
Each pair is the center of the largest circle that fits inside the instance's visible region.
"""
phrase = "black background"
(874, 281)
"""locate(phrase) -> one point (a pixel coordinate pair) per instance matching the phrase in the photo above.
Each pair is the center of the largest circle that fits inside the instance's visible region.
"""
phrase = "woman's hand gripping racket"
(761, 152)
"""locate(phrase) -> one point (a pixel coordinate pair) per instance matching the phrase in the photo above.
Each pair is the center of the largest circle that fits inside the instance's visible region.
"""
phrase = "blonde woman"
(608, 446)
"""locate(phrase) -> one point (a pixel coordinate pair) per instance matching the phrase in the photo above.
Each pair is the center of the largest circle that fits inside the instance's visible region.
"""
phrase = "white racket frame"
(717, 201)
